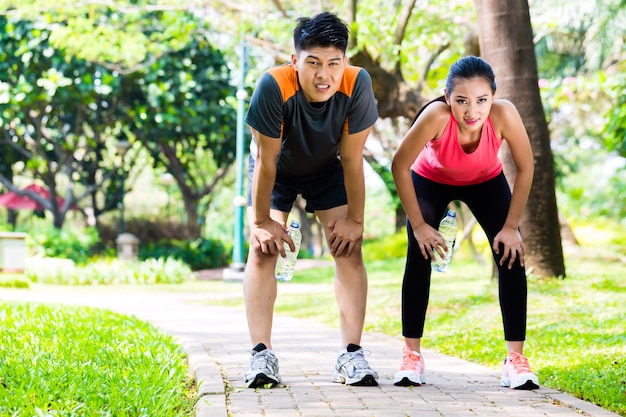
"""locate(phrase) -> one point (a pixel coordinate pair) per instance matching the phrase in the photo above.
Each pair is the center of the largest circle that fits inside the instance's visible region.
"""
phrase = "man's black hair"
(323, 30)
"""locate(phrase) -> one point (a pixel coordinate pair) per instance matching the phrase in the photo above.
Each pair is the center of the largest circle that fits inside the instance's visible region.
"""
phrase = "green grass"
(576, 335)
(67, 361)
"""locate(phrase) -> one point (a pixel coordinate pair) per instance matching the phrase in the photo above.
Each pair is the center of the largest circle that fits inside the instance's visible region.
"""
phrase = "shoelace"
(519, 362)
(410, 360)
(357, 359)
(262, 360)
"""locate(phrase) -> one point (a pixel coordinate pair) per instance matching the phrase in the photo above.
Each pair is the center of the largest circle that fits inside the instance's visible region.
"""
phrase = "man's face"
(320, 71)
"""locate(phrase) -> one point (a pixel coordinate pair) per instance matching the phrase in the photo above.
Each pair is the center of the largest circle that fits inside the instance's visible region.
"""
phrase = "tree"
(506, 42)
(64, 108)
(179, 109)
(53, 110)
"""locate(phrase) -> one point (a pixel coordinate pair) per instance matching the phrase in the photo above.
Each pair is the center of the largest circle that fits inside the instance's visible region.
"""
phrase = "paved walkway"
(216, 340)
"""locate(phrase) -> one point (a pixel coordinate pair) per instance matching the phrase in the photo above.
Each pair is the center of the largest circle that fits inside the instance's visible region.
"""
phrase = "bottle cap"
(294, 224)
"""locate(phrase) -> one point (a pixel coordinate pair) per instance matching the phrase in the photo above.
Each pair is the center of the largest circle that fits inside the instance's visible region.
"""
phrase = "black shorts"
(321, 193)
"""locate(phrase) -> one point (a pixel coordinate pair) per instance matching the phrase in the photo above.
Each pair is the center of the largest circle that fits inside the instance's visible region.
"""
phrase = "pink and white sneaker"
(411, 371)
(516, 373)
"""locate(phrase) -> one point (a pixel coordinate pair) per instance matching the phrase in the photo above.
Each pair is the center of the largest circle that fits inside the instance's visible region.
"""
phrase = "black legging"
(489, 202)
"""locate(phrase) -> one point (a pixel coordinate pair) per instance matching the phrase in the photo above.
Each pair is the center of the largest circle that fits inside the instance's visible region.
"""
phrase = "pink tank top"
(443, 160)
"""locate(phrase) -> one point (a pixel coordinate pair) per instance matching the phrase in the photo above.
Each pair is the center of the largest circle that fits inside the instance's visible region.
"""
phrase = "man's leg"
(351, 296)
(259, 288)
(350, 284)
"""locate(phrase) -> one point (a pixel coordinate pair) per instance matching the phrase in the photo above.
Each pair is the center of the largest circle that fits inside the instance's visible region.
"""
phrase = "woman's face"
(470, 102)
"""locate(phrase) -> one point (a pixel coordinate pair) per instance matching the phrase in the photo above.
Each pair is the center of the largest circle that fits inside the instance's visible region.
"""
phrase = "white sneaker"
(411, 371)
(352, 369)
(263, 370)
(516, 373)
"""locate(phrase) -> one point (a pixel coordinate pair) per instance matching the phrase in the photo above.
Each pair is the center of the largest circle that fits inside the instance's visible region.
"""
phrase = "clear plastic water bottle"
(447, 229)
(286, 266)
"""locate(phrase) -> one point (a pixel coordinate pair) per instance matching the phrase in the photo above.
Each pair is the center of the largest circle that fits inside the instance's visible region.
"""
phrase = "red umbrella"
(14, 201)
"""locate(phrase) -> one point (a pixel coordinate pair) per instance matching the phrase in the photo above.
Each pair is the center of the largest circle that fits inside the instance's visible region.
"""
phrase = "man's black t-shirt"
(310, 135)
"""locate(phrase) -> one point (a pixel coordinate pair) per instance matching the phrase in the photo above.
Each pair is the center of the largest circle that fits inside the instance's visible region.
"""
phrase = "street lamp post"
(240, 202)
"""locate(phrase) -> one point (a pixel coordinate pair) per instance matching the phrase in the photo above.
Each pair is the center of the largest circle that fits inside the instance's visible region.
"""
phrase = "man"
(310, 119)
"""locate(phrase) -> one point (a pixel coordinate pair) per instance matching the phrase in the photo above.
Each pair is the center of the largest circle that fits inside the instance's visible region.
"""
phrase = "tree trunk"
(194, 228)
(506, 42)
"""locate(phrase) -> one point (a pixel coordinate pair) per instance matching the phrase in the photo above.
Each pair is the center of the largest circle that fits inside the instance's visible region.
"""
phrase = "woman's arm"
(428, 126)
(508, 124)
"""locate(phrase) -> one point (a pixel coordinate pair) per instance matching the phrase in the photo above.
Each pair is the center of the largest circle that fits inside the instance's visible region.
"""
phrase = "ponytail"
(420, 111)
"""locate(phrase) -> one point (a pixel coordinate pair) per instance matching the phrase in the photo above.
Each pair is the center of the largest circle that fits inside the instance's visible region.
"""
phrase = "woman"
(451, 153)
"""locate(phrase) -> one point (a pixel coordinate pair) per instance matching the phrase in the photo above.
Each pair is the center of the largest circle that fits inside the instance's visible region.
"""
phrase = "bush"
(198, 254)
(14, 281)
(388, 247)
(75, 244)
(151, 271)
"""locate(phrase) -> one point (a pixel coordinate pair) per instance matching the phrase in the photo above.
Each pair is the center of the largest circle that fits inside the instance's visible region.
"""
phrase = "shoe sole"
(261, 380)
(406, 382)
(528, 385)
(366, 381)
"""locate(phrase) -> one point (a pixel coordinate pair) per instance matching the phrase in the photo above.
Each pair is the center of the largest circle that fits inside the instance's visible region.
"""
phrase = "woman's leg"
(489, 202)
(433, 199)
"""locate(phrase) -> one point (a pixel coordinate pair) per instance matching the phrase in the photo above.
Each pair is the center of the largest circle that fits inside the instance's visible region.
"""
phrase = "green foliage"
(65, 361)
(590, 178)
(14, 281)
(150, 77)
(120, 33)
(615, 129)
(198, 254)
(150, 271)
(183, 100)
(577, 36)
(431, 26)
(387, 247)
(580, 55)
(70, 243)
(66, 103)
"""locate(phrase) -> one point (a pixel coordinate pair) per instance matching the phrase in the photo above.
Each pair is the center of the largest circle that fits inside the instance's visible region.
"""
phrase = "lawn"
(70, 361)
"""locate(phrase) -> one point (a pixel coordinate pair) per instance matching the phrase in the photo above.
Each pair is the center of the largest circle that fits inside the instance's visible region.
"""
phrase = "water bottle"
(447, 230)
(285, 266)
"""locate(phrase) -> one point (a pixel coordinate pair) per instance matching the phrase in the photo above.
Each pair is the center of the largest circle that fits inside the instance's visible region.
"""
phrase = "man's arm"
(265, 231)
(351, 152)
(347, 233)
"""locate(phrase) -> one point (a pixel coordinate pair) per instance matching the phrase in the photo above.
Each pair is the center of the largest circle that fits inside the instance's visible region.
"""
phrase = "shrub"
(387, 247)
(14, 281)
(198, 254)
(75, 244)
(150, 271)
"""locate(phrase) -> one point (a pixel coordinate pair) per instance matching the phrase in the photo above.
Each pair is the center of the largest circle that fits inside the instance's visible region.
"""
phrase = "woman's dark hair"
(324, 29)
(420, 111)
(466, 68)
(470, 67)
